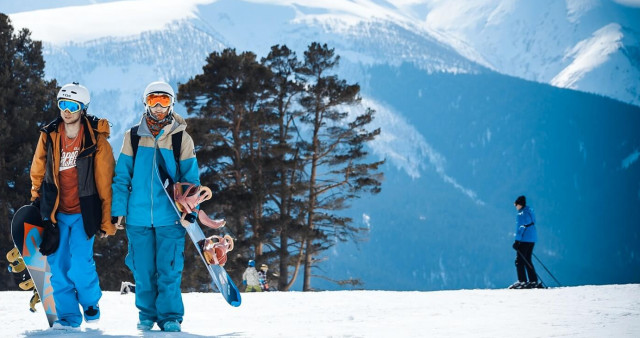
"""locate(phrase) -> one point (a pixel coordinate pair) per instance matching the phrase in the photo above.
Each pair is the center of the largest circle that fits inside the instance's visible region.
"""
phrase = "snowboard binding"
(19, 270)
(35, 299)
(215, 248)
(22, 277)
(188, 196)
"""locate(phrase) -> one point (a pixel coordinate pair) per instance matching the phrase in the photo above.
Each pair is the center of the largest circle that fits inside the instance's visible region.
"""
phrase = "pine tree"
(27, 101)
(335, 154)
(232, 117)
(286, 167)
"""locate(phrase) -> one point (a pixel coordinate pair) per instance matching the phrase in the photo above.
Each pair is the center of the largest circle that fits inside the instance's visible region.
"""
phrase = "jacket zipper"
(155, 148)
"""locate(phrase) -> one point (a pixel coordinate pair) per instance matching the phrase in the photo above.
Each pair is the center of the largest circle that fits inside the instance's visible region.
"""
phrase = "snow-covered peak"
(588, 54)
(565, 43)
(77, 24)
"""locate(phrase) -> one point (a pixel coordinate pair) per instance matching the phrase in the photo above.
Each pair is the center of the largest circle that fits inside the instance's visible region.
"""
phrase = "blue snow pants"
(73, 271)
(156, 258)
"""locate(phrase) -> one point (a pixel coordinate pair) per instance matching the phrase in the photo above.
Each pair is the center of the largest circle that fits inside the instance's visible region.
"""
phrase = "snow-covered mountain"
(586, 311)
(461, 140)
(589, 45)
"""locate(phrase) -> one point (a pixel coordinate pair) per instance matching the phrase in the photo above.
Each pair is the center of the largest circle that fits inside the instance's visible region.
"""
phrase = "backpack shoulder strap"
(135, 139)
(176, 144)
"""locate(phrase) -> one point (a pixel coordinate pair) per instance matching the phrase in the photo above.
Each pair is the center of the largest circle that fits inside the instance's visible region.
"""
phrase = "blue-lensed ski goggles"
(72, 106)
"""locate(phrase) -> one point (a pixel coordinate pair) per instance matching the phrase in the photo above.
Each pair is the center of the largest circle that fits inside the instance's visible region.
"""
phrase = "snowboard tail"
(221, 281)
(27, 231)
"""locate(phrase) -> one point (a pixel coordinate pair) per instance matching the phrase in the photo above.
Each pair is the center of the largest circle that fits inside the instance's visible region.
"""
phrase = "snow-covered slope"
(587, 311)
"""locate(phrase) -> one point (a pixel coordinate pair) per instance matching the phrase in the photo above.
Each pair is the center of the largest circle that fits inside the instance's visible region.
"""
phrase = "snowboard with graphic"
(27, 231)
(221, 281)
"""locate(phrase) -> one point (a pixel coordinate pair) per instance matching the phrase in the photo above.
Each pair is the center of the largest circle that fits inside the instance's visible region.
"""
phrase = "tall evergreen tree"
(26, 102)
(335, 155)
(280, 188)
(286, 166)
(232, 116)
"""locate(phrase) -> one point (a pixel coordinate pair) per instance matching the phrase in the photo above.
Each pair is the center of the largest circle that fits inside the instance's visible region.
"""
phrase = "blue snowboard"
(221, 281)
(26, 231)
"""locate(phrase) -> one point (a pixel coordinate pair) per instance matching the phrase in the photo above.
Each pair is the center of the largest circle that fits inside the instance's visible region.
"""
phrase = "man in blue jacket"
(526, 237)
(154, 229)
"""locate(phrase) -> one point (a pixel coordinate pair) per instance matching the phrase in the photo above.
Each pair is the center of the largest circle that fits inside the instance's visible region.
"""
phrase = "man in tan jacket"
(71, 178)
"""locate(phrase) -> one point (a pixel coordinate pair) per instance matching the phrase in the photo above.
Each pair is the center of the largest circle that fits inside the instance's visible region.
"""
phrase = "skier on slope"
(155, 232)
(251, 279)
(71, 177)
(526, 237)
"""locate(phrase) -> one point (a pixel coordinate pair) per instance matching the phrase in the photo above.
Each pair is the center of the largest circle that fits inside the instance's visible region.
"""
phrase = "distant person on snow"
(155, 232)
(251, 279)
(526, 237)
(262, 275)
(71, 177)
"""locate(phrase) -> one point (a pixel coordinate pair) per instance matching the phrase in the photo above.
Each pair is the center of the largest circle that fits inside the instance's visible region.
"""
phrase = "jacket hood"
(99, 125)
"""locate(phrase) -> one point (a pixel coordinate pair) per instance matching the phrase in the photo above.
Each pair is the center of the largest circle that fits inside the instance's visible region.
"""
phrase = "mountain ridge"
(527, 40)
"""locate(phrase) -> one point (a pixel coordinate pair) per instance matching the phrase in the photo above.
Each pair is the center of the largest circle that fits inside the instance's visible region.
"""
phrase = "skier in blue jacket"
(526, 237)
(154, 229)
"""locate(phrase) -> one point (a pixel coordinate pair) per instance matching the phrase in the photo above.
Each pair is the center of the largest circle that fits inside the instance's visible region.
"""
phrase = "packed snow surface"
(584, 311)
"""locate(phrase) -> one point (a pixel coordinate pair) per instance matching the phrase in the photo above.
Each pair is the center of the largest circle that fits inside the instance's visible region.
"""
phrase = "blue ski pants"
(73, 271)
(156, 258)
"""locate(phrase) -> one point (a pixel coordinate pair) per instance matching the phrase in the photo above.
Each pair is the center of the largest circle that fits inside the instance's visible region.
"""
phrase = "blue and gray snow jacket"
(525, 225)
(137, 192)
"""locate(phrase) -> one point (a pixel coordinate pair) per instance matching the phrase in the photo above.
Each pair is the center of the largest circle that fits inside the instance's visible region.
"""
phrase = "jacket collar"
(177, 124)
(91, 124)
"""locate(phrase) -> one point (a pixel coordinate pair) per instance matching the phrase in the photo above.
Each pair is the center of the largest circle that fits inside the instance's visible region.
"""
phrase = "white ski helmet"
(75, 91)
(158, 87)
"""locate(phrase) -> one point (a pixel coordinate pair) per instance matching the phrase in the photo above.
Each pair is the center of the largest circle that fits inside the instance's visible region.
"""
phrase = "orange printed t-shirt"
(69, 200)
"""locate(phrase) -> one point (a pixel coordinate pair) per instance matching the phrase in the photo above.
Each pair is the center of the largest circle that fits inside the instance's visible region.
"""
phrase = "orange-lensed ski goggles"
(163, 99)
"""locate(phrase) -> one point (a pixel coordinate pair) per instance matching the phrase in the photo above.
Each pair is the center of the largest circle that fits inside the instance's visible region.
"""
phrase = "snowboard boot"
(171, 326)
(518, 285)
(145, 325)
(92, 314)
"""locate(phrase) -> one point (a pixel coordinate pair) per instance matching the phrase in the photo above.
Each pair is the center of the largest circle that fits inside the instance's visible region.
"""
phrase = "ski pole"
(549, 272)
(530, 265)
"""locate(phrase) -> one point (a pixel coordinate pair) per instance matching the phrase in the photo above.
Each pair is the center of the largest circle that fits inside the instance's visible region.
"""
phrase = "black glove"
(36, 202)
(50, 238)
(516, 245)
